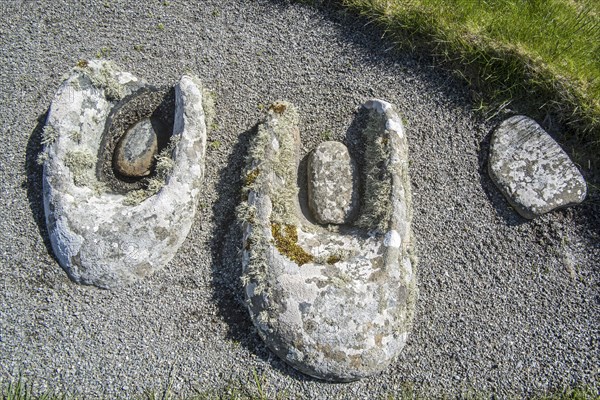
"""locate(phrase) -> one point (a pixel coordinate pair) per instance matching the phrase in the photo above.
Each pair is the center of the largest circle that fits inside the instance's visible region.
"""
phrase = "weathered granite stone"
(332, 195)
(96, 235)
(335, 304)
(531, 170)
(135, 152)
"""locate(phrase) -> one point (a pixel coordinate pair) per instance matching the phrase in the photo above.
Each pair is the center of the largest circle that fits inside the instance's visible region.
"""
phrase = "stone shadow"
(34, 172)
(502, 207)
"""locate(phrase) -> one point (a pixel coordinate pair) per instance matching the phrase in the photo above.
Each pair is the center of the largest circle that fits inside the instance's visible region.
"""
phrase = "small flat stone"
(531, 170)
(332, 194)
(135, 152)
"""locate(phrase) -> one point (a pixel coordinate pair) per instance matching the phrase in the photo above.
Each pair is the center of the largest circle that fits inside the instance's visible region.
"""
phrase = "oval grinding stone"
(331, 191)
(136, 150)
(532, 170)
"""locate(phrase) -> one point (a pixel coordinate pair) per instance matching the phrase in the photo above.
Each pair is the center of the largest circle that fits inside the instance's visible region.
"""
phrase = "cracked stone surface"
(332, 194)
(96, 236)
(532, 170)
(337, 305)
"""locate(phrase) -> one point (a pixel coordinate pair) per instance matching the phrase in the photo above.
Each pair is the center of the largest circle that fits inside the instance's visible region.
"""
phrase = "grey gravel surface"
(506, 305)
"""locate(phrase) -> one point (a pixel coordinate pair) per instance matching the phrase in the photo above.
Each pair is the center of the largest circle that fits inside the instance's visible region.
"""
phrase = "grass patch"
(538, 56)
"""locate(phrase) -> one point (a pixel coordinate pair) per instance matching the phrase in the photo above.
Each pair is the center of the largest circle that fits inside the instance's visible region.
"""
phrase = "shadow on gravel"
(228, 290)
(227, 286)
(34, 173)
(585, 215)
(501, 205)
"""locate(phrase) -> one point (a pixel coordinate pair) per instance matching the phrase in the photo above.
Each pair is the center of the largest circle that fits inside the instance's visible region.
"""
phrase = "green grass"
(540, 56)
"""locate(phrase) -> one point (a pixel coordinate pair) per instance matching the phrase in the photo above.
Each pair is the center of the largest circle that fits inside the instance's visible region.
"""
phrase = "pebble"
(134, 155)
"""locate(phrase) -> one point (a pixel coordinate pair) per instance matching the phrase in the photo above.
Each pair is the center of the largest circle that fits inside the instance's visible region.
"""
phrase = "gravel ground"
(507, 306)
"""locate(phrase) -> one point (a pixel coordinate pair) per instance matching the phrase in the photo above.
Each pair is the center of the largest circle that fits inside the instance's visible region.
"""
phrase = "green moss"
(286, 241)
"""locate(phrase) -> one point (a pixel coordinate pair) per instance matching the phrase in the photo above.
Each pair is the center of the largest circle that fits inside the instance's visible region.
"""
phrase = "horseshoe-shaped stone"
(107, 237)
(335, 302)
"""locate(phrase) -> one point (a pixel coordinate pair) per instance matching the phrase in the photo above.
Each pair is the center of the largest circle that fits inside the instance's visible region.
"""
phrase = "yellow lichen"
(286, 241)
(278, 107)
(332, 259)
(251, 177)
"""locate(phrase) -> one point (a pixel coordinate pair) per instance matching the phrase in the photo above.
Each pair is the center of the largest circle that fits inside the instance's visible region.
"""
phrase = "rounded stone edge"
(255, 262)
(537, 130)
(87, 253)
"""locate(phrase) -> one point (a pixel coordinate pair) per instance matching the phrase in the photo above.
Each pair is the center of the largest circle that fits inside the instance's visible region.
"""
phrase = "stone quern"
(332, 194)
(532, 170)
(99, 236)
(336, 304)
(135, 152)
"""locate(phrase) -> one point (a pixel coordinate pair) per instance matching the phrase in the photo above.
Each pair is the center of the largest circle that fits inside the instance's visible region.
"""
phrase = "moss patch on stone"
(251, 176)
(332, 259)
(286, 241)
(278, 107)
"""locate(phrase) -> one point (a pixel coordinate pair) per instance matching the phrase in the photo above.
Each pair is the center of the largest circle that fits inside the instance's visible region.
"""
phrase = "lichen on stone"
(75, 135)
(42, 157)
(81, 164)
(49, 135)
(284, 198)
(103, 78)
(376, 208)
(270, 173)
